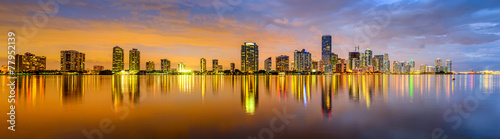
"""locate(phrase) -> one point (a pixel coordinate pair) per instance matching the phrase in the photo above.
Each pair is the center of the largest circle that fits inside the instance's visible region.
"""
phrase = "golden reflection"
(31, 89)
(281, 87)
(301, 88)
(166, 83)
(326, 96)
(72, 88)
(185, 83)
(123, 85)
(249, 93)
(203, 87)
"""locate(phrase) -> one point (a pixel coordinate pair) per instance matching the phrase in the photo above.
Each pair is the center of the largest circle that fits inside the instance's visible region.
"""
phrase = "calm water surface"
(185, 106)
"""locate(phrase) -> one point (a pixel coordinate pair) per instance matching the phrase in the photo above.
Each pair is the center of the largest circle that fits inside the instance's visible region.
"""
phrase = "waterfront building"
(118, 59)
(282, 63)
(165, 65)
(134, 60)
(72, 60)
(249, 57)
(302, 60)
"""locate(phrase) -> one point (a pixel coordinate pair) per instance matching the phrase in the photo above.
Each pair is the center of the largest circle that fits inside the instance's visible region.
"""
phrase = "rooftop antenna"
(356, 49)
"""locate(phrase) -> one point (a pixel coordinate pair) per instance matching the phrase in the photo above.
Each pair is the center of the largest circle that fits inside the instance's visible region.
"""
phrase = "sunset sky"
(467, 32)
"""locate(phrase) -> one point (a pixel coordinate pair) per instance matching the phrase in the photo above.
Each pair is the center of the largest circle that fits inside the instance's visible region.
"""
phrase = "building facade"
(165, 65)
(215, 65)
(268, 64)
(29, 63)
(118, 62)
(134, 61)
(249, 57)
(203, 65)
(72, 60)
(150, 66)
(326, 49)
(282, 63)
(302, 60)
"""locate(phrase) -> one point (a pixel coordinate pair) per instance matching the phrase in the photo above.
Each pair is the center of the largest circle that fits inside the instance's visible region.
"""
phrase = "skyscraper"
(396, 67)
(437, 64)
(326, 49)
(249, 57)
(118, 62)
(267, 64)
(215, 65)
(352, 56)
(203, 65)
(134, 61)
(387, 64)
(448, 66)
(165, 65)
(72, 60)
(412, 64)
(150, 66)
(368, 57)
(302, 61)
(423, 68)
(232, 67)
(314, 66)
(181, 67)
(282, 63)
(378, 63)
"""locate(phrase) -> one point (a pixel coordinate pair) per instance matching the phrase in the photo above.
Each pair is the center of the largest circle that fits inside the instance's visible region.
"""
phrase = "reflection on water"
(368, 99)
(125, 85)
(249, 93)
(73, 88)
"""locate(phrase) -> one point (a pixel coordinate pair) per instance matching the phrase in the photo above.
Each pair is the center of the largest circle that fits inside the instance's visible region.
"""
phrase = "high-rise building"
(249, 57)
(215, 65)
(220, 68)
(165, 65)
(448, 66)
(362, 58)
(378, 63)
(396, 67)
(232, 67)
(412, 64)
(72, 60)
(292, 67)
(150, 66)
(352, 56)
(98, 68)
(437, 64)
(268, 64)
(282, 63)
(203, 65)
(423, 68)
(181, 67)
(387, 64)
(29, 63)
(118, 62)
(326, 49)
(368, 57)
(302, 60)
(134, 60)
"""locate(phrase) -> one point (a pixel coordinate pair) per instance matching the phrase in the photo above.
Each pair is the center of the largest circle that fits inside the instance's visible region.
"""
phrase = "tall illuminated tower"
(203, 65)
(118, 62)
(134, 60)
(437, 64)
(448, 66)
(249, 57)
(368, 57)
(326, 49)
(165, 65)
(302, 60)
(215, 65)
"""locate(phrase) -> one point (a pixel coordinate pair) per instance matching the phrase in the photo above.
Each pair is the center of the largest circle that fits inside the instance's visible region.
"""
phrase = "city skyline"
(471, 42)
